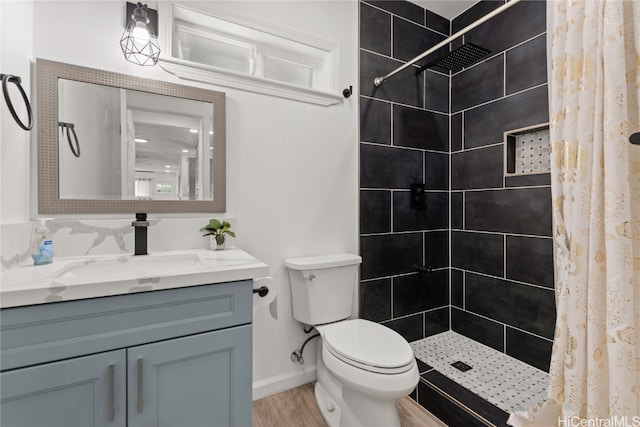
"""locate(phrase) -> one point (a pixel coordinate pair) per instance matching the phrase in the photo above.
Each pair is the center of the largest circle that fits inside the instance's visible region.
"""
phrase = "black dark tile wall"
(476, 85)
(501, 250)
(526, 65)
(487, 236)
(482, 252)
(436, 249)
(404, 134)
(390, 254)
(486, 124)
(404, 9)
(420, 292)
(526, 307)
(417, 128)
(534, 350)
(480, 168)
(379, 40)
(376, 203)
(410, 40)
(375, 121)
(404, 88)
(436, 321)
(375, 300)
(389, 167)
(518, 211)
(410, 327)
(530, 259)
(433, 217)
(486, 331)
(521, 22)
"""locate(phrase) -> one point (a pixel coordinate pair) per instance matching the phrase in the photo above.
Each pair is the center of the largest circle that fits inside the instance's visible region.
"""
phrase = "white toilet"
(363, 367)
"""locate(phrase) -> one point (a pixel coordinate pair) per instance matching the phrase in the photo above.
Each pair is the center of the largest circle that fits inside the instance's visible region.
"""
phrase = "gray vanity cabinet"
(179, 357)
(192, 382)
(79, 392)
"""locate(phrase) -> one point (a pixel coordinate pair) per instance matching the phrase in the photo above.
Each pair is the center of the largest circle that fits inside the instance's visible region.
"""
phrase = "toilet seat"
(367, 345)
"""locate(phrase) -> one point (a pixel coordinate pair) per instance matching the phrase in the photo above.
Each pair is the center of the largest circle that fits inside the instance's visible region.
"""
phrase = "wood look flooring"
(297, 408)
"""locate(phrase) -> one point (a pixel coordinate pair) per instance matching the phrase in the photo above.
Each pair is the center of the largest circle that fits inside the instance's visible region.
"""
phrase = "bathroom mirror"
(115, 143)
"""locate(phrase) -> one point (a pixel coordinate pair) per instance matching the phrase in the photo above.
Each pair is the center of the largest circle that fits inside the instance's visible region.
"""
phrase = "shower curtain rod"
(379, 80)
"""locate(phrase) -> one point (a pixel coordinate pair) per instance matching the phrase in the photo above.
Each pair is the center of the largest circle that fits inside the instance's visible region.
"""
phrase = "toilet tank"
(322, 287)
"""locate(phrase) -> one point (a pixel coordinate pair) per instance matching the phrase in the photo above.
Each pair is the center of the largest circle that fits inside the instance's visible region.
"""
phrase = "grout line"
(386, 101)
(502, 97)
(504, 256)
(477, 273)
(391, 301)
(391, 211)
(378, 144)
(504, 338)
(464, 290)
(394, 233)
(504, 324)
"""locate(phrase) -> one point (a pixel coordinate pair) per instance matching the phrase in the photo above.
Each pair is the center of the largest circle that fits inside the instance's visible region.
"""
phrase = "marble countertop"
(75, 278)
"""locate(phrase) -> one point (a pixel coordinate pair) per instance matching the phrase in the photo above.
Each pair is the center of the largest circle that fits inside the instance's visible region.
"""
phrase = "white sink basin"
(127, 268)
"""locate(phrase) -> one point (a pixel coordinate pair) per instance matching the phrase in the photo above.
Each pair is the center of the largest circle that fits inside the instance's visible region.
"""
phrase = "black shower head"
(462, 57)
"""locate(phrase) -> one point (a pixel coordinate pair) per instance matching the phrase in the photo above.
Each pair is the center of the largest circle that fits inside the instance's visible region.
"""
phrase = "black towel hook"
(71, 129)
(9, 78)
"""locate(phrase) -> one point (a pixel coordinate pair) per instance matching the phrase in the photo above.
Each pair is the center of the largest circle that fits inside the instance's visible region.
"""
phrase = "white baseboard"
(273, 385)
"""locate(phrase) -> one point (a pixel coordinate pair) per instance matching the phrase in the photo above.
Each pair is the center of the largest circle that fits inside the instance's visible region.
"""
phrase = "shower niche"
(527, 151)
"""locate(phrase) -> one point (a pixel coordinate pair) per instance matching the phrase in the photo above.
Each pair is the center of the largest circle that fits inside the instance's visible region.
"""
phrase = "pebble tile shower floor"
(500, 379)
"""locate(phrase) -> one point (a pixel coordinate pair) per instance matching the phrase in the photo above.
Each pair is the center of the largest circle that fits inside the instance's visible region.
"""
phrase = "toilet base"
(343, 407)
(355, 409)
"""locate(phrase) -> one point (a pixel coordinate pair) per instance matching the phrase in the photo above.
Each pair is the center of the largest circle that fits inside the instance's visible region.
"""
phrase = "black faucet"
(140, 236)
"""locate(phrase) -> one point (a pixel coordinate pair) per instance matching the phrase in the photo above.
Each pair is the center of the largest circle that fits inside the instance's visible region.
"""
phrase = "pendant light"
(139, 41)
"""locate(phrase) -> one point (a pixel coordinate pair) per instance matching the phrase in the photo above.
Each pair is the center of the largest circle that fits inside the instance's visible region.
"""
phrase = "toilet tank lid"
(322, 261)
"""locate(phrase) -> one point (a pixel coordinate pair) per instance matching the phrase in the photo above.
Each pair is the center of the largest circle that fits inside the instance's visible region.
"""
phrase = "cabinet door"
(79, 392)
(196, 381)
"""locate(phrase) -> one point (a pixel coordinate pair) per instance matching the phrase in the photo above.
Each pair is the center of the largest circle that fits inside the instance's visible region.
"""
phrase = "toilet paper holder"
(262, 291)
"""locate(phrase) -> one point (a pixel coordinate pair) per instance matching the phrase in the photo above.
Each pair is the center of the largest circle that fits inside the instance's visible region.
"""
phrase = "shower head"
(462, 57)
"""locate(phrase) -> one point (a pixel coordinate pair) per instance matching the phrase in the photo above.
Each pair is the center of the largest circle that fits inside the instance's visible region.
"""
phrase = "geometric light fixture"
(139, 42)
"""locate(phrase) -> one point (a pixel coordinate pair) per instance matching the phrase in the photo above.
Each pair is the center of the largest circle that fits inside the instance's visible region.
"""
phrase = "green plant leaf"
(231, 233)
(215, 224)
(220, 239)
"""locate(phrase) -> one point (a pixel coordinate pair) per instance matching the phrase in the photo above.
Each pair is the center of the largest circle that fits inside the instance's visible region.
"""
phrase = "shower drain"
(461, 366)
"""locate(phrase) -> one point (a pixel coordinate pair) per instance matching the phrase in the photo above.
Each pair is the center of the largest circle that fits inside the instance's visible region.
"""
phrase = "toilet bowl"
(362, 367)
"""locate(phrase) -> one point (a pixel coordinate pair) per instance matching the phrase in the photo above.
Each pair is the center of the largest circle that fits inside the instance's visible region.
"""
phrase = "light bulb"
(140, 32)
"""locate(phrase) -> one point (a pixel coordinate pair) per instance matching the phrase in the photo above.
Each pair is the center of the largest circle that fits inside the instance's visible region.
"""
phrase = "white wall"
(16, 46)
(292, 167)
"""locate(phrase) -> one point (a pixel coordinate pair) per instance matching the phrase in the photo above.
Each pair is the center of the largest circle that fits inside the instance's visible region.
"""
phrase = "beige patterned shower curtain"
(594, 89)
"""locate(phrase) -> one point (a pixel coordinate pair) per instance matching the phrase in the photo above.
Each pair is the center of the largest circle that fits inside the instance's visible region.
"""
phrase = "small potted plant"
(217, 229)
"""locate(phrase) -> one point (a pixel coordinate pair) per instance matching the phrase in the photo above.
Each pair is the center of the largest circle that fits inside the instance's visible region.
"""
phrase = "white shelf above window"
(237, 51)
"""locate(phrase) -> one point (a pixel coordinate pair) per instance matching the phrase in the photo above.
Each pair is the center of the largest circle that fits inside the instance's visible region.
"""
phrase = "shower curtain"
(594, 89)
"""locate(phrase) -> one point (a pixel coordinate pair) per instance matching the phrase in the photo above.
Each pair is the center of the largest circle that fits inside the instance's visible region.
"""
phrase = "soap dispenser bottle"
(42, 250)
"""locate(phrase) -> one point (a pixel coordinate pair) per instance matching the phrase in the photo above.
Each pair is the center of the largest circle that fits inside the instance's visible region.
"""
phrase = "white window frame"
(268, 39)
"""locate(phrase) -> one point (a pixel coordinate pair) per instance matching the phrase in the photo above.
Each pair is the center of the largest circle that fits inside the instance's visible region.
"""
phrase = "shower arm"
(379, 80)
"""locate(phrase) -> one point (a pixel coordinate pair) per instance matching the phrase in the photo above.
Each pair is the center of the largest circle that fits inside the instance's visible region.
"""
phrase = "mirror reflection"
(123, 144)
(112, 143)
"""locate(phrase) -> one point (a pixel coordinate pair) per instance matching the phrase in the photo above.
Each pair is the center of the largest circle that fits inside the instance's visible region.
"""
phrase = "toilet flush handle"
(312, 277)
